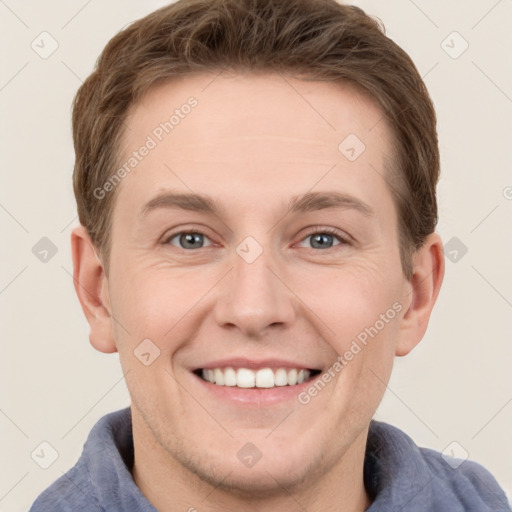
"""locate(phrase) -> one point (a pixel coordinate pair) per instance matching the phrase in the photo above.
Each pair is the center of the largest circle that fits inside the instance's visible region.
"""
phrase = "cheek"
(147, 304)
(360, 310)
(348, 299)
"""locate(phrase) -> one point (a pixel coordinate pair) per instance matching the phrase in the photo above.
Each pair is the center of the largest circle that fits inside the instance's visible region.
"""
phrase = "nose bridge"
(253, 297)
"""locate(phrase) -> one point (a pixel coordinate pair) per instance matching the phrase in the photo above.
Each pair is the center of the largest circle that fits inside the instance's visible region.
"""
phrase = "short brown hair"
(311, 39)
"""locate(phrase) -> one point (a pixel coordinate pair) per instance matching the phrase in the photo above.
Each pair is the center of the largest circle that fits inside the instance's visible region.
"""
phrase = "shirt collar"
(398, 475)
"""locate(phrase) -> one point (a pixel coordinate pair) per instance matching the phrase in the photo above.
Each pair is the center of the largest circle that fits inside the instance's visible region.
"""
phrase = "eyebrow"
(304, 203)
(312, 201)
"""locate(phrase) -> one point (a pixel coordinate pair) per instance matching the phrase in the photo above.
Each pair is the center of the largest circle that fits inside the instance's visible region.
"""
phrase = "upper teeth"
(263, 378)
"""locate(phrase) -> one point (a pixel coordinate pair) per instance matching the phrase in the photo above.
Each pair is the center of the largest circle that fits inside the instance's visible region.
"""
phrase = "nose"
(254, 296)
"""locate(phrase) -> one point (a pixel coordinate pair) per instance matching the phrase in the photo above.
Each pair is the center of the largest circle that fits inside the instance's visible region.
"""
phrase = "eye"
(188, 240)
(324, 238)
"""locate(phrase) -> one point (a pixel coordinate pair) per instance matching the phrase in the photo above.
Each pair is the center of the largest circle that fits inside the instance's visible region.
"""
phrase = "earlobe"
(91, 288)
(424, 287)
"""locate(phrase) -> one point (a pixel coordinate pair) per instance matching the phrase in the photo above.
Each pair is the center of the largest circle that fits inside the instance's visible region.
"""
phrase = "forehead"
(260, 132)
(267, 104)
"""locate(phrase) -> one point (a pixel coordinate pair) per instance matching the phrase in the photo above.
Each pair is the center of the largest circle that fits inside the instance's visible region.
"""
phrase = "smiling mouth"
(262, 378)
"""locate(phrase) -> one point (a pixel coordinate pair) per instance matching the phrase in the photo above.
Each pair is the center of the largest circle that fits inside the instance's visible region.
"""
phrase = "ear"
(422, 291)
(91, 286)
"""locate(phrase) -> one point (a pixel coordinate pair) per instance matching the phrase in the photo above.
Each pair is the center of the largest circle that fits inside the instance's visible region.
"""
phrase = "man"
(256, 189)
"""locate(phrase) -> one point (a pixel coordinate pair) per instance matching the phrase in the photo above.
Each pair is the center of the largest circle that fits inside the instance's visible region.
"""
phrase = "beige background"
(456, 386)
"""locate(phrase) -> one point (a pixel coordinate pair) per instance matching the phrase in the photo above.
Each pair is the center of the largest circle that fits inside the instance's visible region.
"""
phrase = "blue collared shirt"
(398, 476)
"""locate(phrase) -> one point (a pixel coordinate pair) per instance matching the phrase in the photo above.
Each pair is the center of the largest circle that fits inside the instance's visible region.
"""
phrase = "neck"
(171, 487)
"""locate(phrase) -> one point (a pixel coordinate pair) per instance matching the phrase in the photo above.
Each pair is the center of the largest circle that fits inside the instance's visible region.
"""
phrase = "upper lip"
(255, 364)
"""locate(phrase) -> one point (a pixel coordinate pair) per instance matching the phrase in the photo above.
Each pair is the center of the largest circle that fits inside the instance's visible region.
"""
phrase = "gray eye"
(321, 240)
(189, 240)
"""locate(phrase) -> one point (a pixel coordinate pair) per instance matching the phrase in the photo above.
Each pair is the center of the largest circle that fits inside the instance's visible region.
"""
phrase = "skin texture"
(252, 143)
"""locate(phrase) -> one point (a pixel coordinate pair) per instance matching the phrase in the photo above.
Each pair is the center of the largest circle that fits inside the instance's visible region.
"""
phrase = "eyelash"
(327, 231)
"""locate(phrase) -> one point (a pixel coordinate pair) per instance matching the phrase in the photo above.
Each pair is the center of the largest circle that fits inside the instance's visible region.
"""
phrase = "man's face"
(255, 287)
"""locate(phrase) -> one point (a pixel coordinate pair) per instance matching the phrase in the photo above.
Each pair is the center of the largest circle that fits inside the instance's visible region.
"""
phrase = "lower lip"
(256, 396)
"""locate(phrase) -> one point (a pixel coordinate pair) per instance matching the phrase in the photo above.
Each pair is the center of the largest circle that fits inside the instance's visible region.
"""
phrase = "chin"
(262, 480)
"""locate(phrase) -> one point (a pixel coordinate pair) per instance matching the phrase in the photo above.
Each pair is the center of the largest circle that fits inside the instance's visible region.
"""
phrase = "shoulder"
(399, 473)
(99, 473)
(468, 480)
(71, 492)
